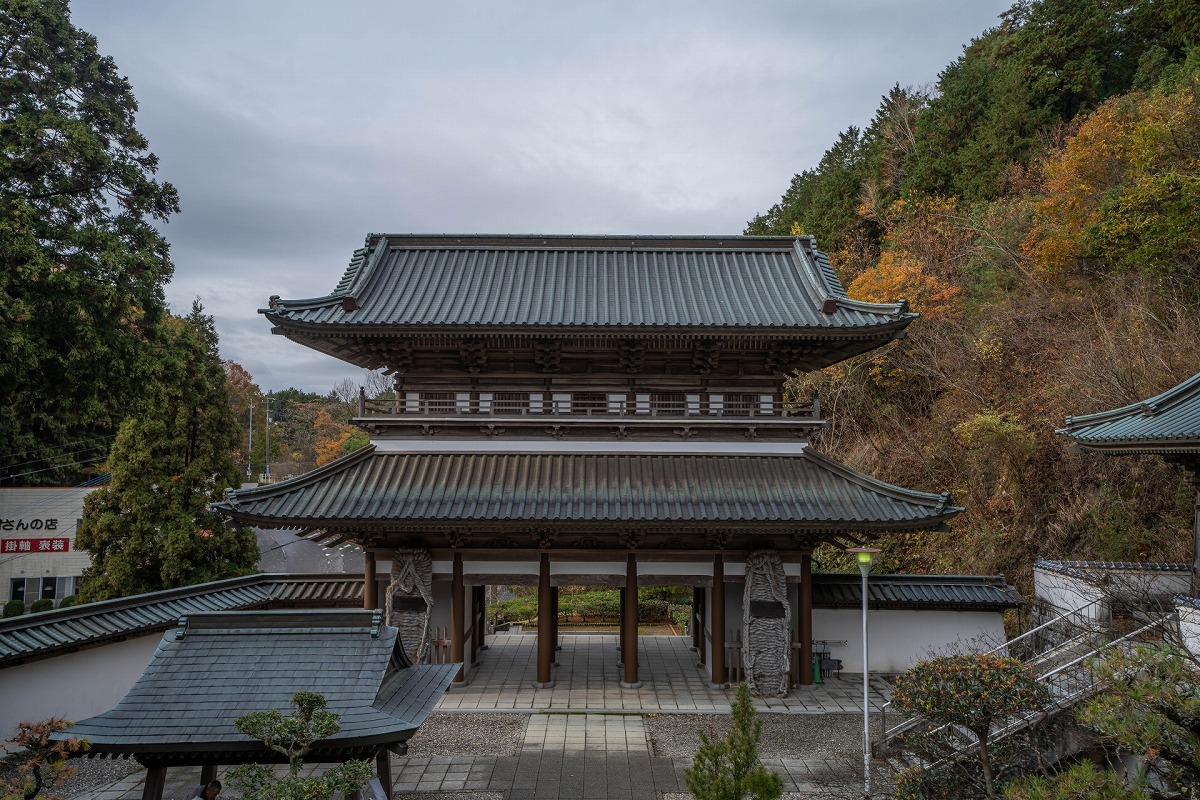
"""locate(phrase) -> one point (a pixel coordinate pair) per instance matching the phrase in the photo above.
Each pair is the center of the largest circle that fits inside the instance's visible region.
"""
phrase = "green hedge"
(595, 607)
(70, 600)
(14, 608)
(43, 604)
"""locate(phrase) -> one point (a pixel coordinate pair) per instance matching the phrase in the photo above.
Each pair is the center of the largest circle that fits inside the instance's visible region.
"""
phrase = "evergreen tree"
(151, 528)
(730, 769)
(82, 267)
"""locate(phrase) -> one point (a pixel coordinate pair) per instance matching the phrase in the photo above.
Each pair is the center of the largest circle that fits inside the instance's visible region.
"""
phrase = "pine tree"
(151, 528)
(730, 769)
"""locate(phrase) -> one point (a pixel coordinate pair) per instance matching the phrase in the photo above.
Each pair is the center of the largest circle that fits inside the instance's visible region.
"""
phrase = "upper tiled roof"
(1168, 423)
(214, 668)
(773, 284)
(51, 632)
(954, 592)
(403, 489)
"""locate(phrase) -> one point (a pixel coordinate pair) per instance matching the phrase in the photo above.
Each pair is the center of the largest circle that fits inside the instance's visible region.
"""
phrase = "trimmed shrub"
(42, 604)
(69, 600)
(14, 608)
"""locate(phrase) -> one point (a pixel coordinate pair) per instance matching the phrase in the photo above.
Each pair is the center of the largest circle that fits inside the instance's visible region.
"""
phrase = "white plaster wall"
(899, 639)
(75, 685)
(1189, 627)
(1064, 592)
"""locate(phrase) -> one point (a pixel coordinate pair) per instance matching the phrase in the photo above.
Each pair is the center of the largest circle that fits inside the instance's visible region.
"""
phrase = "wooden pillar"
(804, 630)
(697, 627)
(156, 780)
(457, 633)
(629, 621)
(383, 768)
(1196, 533)
(554, 620)
(208, 774)
(720, 678)
(701, 625)
(621, 627)
(545, 641)
(370, 584)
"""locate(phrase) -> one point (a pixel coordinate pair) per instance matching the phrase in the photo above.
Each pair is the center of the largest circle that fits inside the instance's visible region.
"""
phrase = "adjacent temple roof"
(370, 490)
(1166, 424)
(414, 285)
(951, 592)
(50, 633)
(214, 668)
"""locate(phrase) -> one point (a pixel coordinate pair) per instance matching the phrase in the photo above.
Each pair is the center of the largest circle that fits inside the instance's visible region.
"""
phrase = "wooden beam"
(383, 768)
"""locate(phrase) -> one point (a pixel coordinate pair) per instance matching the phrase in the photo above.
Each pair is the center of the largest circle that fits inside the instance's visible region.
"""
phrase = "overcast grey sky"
(292, 129)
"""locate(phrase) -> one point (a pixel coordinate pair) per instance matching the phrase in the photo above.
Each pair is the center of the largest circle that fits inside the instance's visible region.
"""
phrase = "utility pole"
(267, 452)
(250, 449)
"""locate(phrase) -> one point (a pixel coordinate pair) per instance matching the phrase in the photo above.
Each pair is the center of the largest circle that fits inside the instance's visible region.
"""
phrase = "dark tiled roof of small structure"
(213, 668)
(51, 632)
(403, 489)
(1168, 423)
(773, 284)
(953, 592)
(1086, 568)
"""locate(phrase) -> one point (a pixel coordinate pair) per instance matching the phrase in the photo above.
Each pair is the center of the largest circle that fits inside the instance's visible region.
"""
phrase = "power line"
(77, 444)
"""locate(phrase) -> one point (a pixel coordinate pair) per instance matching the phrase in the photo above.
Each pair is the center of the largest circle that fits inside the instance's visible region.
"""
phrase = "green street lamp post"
(865, 556)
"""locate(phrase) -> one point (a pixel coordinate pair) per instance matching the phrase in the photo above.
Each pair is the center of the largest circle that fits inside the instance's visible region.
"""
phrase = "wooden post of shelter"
(208, 774)
(697, 638)
(383, 768)
(457, 633)
(629, 621)
(156, 781)
(370, 584)
(719, 677)
(545, 641)
(804, 621)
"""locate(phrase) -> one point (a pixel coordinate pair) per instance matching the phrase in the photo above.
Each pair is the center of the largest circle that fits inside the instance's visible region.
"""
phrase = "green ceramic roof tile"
(807, 489)
(592, 282)
(1168, 423)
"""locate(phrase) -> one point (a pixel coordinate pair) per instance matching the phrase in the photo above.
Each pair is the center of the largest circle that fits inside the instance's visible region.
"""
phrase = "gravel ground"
(90, 774)
(784, 735)
(469, 734)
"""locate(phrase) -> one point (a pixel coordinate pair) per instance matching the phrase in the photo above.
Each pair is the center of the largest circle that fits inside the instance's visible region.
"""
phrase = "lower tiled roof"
(950, 592)
(51, 632)
(404, 490)
(1093, 567)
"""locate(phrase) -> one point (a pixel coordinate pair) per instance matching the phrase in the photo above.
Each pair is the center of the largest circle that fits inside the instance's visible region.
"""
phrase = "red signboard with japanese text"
(55, 545)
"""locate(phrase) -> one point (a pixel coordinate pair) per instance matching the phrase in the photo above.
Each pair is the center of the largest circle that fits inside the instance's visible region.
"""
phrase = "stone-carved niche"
(410, 600)
(766, 625)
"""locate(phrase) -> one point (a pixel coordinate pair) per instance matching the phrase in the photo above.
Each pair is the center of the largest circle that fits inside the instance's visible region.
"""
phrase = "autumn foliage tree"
(38, 765)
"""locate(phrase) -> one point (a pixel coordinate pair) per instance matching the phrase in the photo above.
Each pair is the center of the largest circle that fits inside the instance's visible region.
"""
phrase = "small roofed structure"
(1166, 425)
(213, 668)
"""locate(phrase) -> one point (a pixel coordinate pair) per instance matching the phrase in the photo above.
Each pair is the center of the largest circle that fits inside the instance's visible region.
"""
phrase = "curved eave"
(1134, 447)
(288, 327)
(501, 491)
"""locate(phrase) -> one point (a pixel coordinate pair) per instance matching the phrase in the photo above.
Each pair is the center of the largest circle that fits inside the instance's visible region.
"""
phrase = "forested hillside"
(1039, 207)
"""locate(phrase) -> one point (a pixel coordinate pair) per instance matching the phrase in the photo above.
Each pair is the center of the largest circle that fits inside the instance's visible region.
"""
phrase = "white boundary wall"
(74, 685)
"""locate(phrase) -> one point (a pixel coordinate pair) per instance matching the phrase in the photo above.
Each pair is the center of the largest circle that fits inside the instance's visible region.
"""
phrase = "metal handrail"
(1060, 701)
